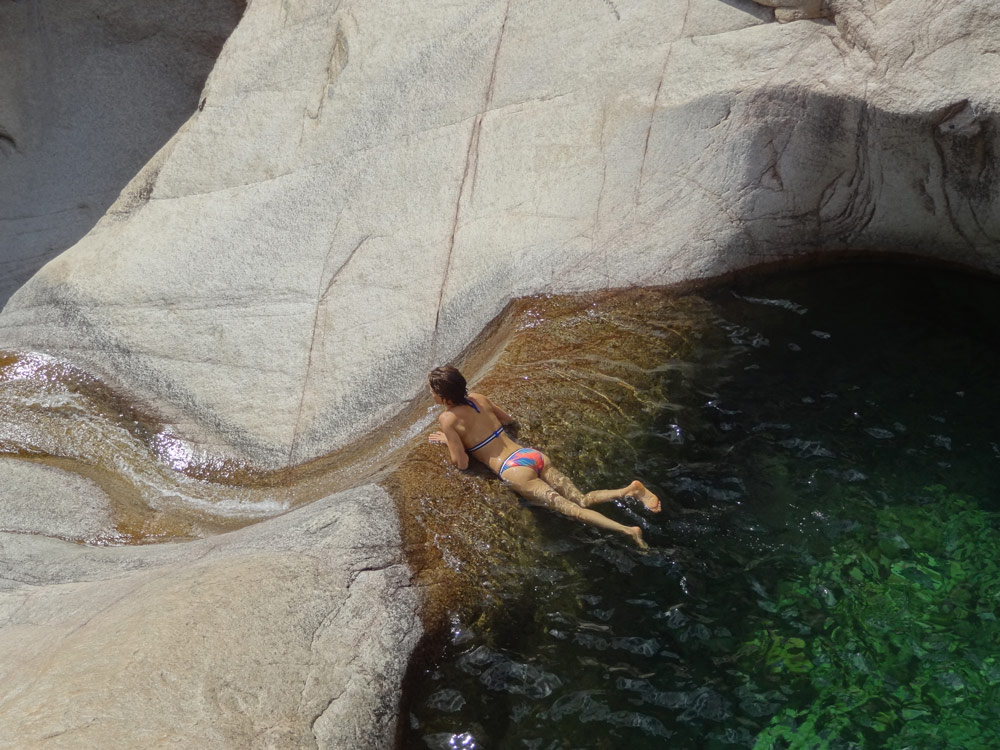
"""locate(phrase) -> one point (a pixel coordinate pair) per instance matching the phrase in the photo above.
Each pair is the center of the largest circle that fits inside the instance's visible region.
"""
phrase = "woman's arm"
(448, 436)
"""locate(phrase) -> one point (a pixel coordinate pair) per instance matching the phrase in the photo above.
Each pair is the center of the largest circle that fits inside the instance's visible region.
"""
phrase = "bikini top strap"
(470, 402)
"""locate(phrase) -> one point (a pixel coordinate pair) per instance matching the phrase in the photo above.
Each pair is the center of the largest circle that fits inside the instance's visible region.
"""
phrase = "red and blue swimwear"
(520, 457)
(524, 457)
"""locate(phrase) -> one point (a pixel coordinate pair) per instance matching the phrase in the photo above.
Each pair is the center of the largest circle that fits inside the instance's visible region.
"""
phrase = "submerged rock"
(582, 376)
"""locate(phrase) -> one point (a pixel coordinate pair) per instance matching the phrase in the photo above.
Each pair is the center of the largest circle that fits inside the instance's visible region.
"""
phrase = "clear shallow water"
(159, 486)
(832, 442)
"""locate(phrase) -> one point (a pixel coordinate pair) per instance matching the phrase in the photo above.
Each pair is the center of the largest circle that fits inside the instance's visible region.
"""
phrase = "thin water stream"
(829, 575)
(157, 486)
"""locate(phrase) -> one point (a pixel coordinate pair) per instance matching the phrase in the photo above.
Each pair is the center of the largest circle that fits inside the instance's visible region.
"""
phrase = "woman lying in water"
(472, 425)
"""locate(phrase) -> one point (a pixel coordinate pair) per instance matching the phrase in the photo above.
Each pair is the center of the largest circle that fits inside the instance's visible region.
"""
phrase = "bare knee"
(552, 500)
(542, 494)
(536, 492)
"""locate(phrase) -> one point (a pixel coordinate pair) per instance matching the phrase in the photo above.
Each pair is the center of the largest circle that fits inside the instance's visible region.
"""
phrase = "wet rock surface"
(578, 373)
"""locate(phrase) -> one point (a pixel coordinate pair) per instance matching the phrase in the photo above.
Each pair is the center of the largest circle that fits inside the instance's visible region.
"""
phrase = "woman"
(472, 425)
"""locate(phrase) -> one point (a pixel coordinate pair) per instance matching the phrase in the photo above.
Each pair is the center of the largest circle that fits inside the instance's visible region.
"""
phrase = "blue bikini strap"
(481, 443)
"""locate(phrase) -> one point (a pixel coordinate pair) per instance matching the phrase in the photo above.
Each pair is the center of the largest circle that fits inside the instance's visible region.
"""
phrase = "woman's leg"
(539, 492)
(564, 485)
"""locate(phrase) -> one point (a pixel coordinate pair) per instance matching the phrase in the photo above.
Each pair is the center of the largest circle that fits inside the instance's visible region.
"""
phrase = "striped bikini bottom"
(523, 457)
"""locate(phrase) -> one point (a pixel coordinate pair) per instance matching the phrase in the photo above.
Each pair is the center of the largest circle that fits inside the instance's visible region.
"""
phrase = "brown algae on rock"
(579, 373)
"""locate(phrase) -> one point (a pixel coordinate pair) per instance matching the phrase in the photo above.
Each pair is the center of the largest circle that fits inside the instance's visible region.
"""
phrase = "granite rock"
(293, 633)
(39, 499)
(363, 186)
(272, 261)
(90, 93)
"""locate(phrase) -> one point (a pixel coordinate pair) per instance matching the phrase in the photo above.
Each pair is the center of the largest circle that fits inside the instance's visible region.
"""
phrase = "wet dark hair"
(448, 383)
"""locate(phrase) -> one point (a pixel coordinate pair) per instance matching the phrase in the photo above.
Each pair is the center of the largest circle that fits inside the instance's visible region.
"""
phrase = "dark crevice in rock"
(490, 89)
(316, 333)
(7, 143)
(471, 165)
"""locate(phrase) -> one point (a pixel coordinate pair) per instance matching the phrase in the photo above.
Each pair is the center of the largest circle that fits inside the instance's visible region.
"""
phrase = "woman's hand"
(448, 436)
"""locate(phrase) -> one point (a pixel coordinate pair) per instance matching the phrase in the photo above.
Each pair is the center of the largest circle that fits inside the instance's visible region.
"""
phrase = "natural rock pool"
(828, 575)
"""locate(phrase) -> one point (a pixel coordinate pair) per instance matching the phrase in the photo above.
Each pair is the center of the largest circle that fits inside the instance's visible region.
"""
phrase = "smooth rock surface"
(290, 634)
(368, 184)
(39, 499)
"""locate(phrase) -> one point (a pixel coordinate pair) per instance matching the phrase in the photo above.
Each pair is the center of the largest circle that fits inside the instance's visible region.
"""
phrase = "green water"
(834, 576)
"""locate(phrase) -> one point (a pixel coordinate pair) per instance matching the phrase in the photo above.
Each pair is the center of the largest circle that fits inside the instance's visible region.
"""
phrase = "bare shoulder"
(480, 398)
(447, 419)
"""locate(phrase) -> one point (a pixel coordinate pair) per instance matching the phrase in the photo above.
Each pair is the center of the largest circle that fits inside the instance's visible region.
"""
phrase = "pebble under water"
(830, 575)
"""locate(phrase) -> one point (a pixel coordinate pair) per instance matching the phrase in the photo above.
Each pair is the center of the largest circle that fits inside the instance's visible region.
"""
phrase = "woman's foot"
(640, 492)
(636, 533)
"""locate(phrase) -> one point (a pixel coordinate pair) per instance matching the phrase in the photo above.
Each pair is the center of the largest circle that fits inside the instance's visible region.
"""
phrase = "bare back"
(481, 432)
